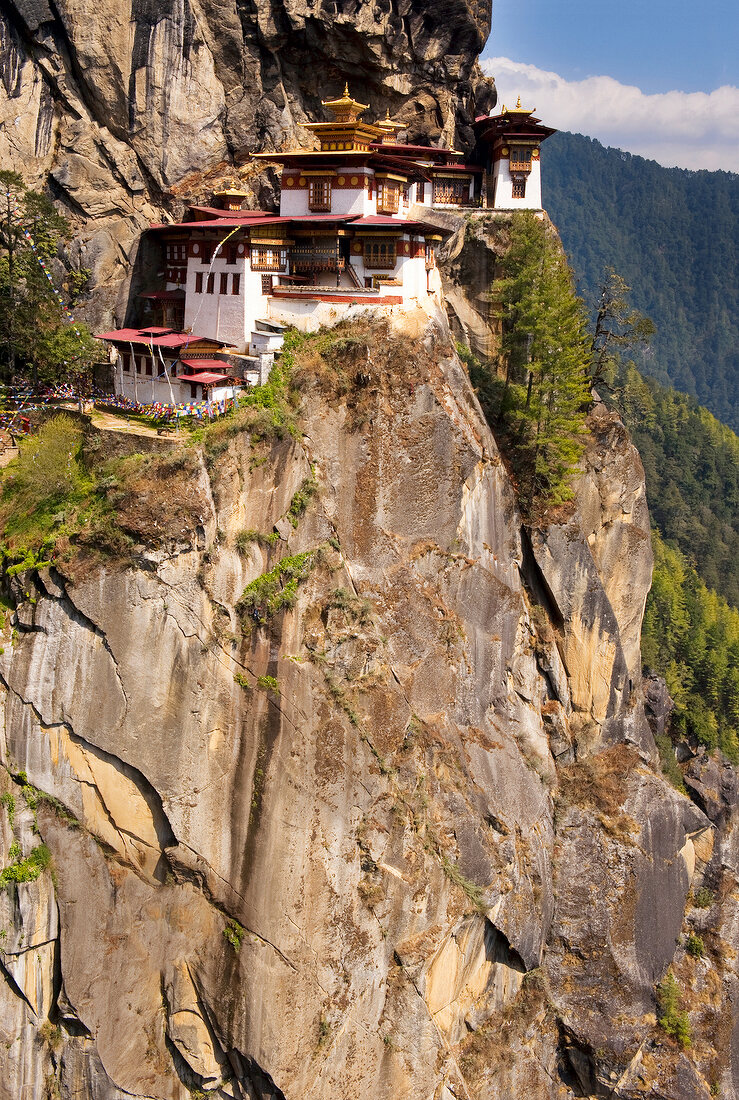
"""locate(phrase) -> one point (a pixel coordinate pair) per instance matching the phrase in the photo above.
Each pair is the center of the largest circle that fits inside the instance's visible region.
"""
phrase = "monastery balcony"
(280, 290)
(307, 261)
(268, 265)
(519, 165)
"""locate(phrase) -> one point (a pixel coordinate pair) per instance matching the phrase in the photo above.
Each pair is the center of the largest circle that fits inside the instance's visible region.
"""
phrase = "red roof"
(205, 364)
(434, 150)
(382, 221)
(158, 337)
(204, 378)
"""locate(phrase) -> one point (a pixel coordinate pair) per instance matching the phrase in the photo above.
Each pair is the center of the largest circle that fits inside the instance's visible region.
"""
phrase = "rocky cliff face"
(121, 108)
(370, 802)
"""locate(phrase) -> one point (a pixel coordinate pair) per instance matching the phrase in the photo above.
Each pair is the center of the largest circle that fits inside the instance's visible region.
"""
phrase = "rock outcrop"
(393, 816)
(121, 109)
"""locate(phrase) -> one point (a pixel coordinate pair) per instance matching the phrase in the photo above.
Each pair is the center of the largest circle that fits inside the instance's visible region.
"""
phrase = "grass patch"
(268, 683)
(233, 933)
(247, 538)
(276, 590)
(354, 607)
(301, 499)
(8, 801)
(25, 870)
(242, 681)
(51, 1034)
(475, 893)
(703, 898)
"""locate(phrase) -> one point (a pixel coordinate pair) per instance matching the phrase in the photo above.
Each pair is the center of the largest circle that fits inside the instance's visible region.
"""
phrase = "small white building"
(158, 366)
(511, 144)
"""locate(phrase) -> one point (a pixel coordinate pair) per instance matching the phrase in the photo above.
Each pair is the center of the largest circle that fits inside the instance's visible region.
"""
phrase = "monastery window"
(125, 361)
(519, 189)
(319, 194)
(235, 284)
(232, 254)
(149, 371)
(138, 359)
(452, 192)
(267, 281)
(206, 252)
(223, 289)
(388, 197)
(210, 287)
(520, 159)
(267, 258)
(380, 253)
(198, 282)
(369, 187)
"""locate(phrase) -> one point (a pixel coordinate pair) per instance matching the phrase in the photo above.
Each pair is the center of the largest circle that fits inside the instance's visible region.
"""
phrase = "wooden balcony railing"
(520, 165)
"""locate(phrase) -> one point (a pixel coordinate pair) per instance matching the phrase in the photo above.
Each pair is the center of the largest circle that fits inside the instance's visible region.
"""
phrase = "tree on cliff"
(546, 358)
(618, 327)
(36, 339)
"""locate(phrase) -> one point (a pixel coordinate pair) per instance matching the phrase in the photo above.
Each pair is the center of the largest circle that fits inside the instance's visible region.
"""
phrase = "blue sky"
(655, 77)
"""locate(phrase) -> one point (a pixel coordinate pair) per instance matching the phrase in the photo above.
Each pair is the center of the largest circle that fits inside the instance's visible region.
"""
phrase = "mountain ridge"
(672, 234)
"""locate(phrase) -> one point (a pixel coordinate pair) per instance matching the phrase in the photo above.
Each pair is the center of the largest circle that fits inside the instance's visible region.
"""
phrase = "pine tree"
(545, 350)
(35, 338)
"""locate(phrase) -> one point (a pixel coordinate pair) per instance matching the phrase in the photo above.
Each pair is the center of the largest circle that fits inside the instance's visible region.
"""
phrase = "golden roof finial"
(345, 108)
(518, 104)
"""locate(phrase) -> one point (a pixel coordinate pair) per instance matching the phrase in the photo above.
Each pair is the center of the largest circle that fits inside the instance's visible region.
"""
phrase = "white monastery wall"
(228, 317)
(309, 316)
(504, 199)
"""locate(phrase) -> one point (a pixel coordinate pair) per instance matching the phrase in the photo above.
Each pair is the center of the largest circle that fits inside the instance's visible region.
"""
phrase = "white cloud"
(688, 129)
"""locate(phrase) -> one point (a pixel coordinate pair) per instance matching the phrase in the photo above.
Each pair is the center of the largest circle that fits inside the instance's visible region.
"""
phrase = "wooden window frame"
(319, 194)
(450, 192)
(388, 197)
(223, 286)
(198, 282)
(236, 283)
(376, 259)
(211, 283)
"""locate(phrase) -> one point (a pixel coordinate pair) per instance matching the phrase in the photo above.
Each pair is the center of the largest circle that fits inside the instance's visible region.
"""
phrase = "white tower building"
(511, 143)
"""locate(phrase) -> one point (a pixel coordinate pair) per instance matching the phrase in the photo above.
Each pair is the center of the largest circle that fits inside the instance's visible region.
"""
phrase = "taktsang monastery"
(355, 227)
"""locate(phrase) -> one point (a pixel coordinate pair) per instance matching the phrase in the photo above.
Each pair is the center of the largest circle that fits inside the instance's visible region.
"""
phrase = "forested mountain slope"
(691, 464)
(674, 236)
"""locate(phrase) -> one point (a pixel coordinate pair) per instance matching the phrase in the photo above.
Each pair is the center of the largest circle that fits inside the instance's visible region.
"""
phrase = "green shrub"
(242, 681)
(247, 538)
(694, 945)
(48, 462)
(703, 898)
(234, 934)
(301, 500)
(668, 761)
(278, 589)
(268, 683)
(28, 869)
(8, 801)
(671, 1017)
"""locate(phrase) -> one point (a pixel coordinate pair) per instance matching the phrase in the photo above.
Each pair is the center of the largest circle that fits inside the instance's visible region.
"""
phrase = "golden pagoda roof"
(345, 108)
(518, 109)
(388, 126)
